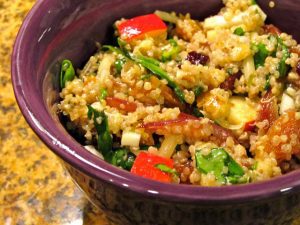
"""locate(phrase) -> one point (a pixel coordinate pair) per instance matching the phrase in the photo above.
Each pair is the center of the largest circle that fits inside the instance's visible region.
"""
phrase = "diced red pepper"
(144, 165)
(121, 104)
(250, 126)
(138, 27)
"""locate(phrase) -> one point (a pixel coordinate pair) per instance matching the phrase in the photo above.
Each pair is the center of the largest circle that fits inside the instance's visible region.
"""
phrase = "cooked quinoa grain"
(210, 103)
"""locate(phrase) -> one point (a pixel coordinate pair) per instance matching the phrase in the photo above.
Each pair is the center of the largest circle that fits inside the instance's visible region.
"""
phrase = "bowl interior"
(55, 30)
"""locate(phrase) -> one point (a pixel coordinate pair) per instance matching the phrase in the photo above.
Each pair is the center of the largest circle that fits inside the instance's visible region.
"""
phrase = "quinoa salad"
(174, 99)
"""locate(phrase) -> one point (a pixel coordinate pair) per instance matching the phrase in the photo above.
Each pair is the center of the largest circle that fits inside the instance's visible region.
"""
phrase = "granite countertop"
(34, 187)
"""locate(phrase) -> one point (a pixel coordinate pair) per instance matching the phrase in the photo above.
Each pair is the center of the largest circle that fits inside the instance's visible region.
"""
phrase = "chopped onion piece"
(169, 144)
(98, 106)
(215, 21)
(130, 138)
(287, 103)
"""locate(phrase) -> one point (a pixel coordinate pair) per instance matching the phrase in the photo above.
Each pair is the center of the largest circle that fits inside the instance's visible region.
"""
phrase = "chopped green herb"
(273, 38)
(144, 147)
(172, 53)
(197, 112)
(122, 44)
(104, 142)
(151, 65)
(119, 63)
(149, 60)
(261, 55)
(254, 166)
(67, 72)
(113, 49)
(146, 77)
(103, 94)
(253, 2)
(229, 71)
(166, 169)
(268, 85)
(221, 164)
(283, 67)
(198, 91)
(239, 31)
(123, 158)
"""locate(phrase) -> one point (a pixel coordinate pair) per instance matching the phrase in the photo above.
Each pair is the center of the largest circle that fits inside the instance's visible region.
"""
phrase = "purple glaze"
(56, 29)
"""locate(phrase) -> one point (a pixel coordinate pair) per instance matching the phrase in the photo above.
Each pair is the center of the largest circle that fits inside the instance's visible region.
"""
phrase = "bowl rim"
(84, 161)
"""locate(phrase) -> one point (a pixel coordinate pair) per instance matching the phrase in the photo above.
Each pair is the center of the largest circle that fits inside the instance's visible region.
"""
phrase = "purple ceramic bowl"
(55, 30)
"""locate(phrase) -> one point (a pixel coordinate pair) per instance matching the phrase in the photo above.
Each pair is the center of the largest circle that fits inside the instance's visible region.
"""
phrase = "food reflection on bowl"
(131, 199)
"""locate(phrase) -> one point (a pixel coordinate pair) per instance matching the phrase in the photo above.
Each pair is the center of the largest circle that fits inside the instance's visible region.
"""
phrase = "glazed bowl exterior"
(55, 30)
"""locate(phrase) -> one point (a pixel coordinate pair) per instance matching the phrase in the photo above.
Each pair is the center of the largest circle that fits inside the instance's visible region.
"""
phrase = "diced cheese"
(130, 138)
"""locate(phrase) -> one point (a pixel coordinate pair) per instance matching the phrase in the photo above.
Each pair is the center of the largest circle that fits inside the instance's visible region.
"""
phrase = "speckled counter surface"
(34, 187)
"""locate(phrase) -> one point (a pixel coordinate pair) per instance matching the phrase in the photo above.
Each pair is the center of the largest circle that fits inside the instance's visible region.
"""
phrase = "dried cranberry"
(197, 58)
(298, 67)
(228, 84)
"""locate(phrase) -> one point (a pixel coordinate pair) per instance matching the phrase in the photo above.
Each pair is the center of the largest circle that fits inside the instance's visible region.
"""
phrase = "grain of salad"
(210, 103)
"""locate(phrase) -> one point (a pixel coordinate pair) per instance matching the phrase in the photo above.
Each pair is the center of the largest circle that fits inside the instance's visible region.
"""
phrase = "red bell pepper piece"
(144, 165)
(121, 104)
(137, 27)
(250, 126)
